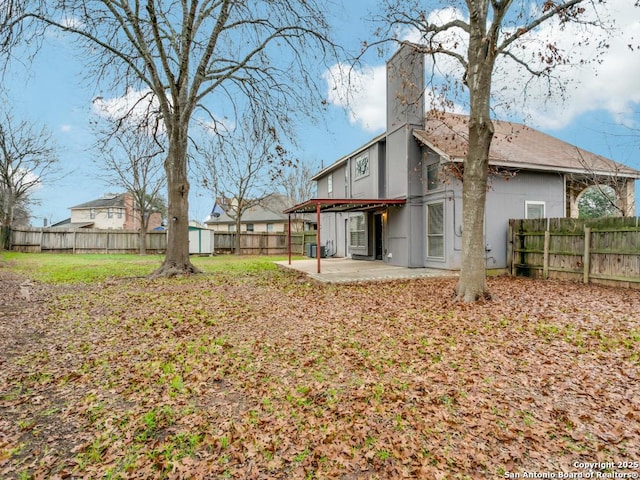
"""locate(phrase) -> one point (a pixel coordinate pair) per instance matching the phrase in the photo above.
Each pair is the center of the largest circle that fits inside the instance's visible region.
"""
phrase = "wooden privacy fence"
(30, 239)
(603, 250)
(84, 240)
(263, 243)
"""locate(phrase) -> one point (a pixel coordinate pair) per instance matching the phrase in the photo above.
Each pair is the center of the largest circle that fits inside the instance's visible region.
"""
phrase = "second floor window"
(362, 166)
(110, 212)
(249, 227)
(92, 213)
(330, 184)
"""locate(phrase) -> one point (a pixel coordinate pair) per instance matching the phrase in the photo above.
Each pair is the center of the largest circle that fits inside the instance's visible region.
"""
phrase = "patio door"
(377, 235)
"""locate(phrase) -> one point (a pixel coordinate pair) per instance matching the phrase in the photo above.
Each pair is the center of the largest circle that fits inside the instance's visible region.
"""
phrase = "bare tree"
(249, 55)
(296, 184)
(605, 189)
(468, 41)
(27, 158)
(132, 156)
(239, 170)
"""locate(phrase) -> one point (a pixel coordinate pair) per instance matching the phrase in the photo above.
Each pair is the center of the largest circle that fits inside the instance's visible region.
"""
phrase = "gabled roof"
(108, 200)
(268, 211)
(517, 146)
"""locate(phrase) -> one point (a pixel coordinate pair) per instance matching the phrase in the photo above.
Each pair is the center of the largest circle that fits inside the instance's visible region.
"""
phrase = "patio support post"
(289, 239)
(318, 235)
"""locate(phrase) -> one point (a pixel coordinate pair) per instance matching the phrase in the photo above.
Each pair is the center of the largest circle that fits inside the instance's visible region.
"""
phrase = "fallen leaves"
(260, 376)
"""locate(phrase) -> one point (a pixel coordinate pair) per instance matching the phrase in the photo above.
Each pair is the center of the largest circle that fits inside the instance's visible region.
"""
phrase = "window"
(534, 209)
(249, 227)
(330, 184)
(120, 213)
(435, 230)
(231, 228)
(92, 213)
(433, 174)
(362, 166)
(110, 212)
(269, 227)
(357, 231)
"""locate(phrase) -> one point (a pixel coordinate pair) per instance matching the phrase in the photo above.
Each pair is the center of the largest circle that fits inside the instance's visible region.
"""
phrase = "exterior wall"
(506, 200)
(101, 219)
(338, 176)
(122, 218)
(258, 227)
(365, 186)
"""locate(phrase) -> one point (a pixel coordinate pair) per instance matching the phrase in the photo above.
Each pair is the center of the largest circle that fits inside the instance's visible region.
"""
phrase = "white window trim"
(535, 202)
(330, 185)
(364, 232)
(442, 235)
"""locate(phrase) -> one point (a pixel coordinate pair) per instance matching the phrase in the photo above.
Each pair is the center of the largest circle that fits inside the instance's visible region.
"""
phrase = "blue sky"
(600, 111)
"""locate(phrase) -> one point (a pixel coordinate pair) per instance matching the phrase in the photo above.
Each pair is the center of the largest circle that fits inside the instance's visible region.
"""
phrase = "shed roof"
(516, 145)
(344, 204)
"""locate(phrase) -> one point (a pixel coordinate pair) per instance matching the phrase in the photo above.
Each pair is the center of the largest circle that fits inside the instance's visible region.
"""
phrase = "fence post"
(545, 261)
(509, 247)
(587, 254)
(73, 248)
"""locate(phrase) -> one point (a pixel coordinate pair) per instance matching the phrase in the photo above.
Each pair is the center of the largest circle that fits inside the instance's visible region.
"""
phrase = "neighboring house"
(266, 216)
(113, 211)
(398, 198)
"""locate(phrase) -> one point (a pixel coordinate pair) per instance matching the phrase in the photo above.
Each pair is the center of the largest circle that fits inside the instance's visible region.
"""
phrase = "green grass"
(90, 268)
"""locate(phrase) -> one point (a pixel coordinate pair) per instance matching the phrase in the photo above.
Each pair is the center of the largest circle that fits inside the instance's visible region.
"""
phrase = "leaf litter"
(266, 375)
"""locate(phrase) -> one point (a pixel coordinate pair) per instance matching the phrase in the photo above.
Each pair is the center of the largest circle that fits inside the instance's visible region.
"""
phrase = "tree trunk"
(143, 235)
(177, 260)
(472, 284)
(237, 239)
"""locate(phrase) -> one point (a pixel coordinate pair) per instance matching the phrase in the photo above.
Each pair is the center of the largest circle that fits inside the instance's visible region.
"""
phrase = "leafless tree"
(197, 53)
(27, 158)
(296, 184)
(131, 157)
(606, 182)
(468, 41)
(239, 169)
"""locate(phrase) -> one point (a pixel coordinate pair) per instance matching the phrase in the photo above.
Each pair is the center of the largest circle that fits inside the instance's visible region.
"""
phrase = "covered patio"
(320, 205)
(346, 270)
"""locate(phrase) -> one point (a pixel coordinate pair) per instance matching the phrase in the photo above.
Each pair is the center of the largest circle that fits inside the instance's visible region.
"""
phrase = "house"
(265, 216)
(112, 211)
(398, 198)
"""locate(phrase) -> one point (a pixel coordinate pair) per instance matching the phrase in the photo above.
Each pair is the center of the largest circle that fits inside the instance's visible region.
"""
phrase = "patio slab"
(346, 270)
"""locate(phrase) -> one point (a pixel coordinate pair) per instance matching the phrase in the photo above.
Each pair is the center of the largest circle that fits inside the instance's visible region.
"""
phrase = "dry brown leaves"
(264, 376)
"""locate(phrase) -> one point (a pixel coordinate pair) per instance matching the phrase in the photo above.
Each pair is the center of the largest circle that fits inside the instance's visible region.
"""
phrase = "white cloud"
(610, 84)
(362, 92)
(138, 108)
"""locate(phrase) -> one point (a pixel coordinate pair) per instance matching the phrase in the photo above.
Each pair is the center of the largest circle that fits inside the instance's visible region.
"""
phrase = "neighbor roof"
(108, 200)
(268, 211)
(516, 145)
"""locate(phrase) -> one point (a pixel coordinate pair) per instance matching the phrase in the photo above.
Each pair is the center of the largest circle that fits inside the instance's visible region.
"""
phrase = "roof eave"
(341, 161)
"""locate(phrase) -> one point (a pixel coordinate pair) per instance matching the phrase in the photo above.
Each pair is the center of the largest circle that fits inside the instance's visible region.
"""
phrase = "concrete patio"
(346, 270)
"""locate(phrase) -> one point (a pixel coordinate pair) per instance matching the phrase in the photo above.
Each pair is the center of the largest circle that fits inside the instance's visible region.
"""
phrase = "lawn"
(248, 371)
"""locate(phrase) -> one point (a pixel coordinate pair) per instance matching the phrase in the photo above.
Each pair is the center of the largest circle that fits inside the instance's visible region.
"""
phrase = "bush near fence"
(32, 239)
(605, 251)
